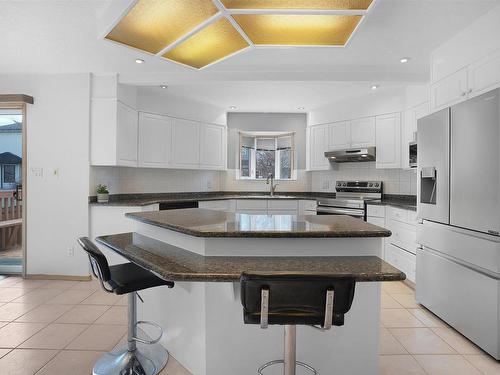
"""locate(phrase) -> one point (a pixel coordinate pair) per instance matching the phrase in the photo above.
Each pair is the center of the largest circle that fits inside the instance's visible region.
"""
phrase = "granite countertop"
(407, 202)
(175, 264)
(154, 198)
(201, 222)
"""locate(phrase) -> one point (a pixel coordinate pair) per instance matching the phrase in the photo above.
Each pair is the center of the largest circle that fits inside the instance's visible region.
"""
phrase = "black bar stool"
(291, 300)
(128, 278)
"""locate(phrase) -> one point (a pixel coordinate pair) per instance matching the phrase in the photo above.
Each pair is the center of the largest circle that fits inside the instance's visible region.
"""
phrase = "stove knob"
(377, 184)
(344, 185)
(370, 185)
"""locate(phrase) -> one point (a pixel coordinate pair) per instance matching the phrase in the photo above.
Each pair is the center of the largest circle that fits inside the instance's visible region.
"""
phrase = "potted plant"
(102, 194)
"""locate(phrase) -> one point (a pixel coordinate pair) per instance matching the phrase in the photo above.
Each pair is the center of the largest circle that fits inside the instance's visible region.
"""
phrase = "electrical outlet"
(326, 185)
(71, 251)
(37, 171)
(209, 184)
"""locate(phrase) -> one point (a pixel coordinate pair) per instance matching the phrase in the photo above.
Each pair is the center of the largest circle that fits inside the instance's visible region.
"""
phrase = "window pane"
(285, 164)
(245, 161)
(9, 174)
(265, 163)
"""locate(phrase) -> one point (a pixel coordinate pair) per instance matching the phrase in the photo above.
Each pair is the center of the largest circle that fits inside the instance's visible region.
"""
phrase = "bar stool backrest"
(296, 299)
(98, 261)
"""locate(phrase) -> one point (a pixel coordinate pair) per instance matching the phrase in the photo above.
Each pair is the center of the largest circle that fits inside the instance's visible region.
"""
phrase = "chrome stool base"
(281, 361)
(145, 360)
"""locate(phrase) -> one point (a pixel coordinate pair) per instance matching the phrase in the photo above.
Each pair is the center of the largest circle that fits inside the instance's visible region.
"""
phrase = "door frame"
(20, 102)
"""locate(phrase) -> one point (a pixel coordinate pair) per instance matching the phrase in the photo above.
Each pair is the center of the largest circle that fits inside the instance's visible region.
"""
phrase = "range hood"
(351, 155)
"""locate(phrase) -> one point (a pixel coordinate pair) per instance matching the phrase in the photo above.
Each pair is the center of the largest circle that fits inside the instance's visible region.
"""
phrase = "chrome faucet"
(272, 185)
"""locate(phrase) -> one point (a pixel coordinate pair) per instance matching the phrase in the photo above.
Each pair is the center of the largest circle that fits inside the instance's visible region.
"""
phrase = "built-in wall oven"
(351, 198)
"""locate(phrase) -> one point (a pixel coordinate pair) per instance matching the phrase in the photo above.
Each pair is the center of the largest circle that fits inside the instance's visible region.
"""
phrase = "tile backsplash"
(396, 181)
(123, 180)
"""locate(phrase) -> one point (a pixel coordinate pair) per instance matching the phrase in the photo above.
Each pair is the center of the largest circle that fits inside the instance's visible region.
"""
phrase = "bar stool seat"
(291, 300)
(128, 278)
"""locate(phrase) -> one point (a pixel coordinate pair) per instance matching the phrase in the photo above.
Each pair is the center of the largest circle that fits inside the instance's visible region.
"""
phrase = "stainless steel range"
(350, 199)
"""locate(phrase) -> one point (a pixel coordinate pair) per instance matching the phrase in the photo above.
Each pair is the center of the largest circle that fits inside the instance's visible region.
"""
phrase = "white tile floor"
(48, 327)
(60, 327)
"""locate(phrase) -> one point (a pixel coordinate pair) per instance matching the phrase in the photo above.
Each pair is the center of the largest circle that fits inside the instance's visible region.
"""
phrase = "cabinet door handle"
(470, 91)
(464, 93)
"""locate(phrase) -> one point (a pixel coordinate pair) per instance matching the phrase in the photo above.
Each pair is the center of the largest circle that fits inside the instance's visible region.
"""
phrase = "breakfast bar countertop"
(176, 264)
(199, 222)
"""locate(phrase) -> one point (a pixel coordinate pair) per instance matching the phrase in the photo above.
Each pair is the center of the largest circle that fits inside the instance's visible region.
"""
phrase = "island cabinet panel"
(213, 146)
(185, 144)
(339, 136)
(363, 132)
(388, 141)
(282, 205)
(155, 141)
(251, 204)
(307, 207)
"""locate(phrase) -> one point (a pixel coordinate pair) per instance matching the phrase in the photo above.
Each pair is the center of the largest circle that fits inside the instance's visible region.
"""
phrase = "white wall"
(122, 180)
(375, 103)
(57, 142)
(396, 181)
(157, 100)
(471, 44)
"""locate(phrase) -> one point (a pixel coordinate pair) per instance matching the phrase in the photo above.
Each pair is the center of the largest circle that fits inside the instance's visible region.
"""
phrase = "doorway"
(12, 170)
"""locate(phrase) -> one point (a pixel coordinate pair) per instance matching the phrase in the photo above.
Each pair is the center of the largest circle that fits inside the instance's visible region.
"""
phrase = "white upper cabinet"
(388, 141)
(113, 133)
(362, 132)
(449, 91)
(213, 146)
(127, 133)
(318, 145)
(155, 140)
(484, 75)
(409, 130)
(339, 136)
(185, 144)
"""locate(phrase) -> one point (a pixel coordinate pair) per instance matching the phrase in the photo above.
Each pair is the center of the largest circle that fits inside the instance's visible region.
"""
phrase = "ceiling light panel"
(152, 25)
(216, 41)
(298, 4)
(281, 29)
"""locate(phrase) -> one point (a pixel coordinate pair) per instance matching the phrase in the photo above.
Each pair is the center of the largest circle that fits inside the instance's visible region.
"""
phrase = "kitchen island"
(206, 251)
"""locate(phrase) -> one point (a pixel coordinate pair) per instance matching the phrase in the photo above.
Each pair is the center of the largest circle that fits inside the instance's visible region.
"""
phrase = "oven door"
(324, 210)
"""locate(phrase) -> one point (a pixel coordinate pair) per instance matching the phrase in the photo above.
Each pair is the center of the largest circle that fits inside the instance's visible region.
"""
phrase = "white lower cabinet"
(399, 249)
(307, 207)
(226, 205)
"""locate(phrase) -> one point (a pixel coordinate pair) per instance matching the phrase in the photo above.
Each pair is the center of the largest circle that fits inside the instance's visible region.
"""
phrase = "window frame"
(277, 157)
(14, 173)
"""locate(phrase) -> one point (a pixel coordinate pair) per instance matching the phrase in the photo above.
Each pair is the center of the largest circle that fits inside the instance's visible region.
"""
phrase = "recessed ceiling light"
(301, 108)
(163, 86)
(404, 60)
(232, 107)
(375, 87)
(139, 61)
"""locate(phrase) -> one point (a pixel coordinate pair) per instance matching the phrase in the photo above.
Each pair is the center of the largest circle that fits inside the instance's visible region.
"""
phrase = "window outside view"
(264, 155)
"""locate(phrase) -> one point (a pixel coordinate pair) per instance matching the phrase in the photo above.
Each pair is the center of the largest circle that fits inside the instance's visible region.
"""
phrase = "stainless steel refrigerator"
(458, 262)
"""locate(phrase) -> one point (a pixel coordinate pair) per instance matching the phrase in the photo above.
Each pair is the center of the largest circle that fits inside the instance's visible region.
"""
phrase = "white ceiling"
(272, 96)
(62, 36)
(65, 36)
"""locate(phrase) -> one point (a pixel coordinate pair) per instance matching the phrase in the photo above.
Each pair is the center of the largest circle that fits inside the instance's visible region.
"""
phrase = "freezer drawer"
(476, 249)
(464, 298)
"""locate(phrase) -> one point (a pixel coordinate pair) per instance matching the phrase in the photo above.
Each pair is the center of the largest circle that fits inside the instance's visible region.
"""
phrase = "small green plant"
(102, 189)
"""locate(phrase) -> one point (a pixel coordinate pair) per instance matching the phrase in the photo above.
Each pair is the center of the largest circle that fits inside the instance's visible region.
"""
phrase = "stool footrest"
(151, 324)
(282, 362)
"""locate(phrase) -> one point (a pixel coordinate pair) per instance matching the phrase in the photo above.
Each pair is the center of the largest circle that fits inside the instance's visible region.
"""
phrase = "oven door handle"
(340, 211)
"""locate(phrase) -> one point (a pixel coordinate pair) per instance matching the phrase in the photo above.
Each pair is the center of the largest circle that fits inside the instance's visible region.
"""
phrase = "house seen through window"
(264, 154)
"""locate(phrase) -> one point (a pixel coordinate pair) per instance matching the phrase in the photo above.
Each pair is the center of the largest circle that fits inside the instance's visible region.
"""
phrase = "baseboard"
(411, 284)
(59, 277)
